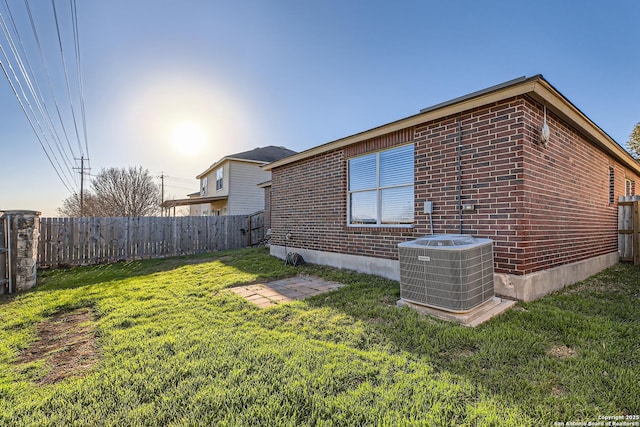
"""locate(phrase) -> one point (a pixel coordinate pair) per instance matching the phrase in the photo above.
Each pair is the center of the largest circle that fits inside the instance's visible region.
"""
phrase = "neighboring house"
(230, 185)
(479, 161)
(194, 210)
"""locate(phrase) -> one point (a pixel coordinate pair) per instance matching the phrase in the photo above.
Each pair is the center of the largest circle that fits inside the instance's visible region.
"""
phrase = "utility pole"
(81, 186)
(82, 170)
(161, 193)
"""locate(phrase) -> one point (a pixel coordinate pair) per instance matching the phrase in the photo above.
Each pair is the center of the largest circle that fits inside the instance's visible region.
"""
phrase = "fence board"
(81, 241)
(629, 228)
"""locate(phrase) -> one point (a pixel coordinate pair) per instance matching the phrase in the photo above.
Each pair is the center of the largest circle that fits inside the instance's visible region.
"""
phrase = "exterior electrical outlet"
(451, 272)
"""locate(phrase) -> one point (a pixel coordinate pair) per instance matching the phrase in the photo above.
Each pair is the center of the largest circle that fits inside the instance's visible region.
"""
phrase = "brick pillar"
(24, 231)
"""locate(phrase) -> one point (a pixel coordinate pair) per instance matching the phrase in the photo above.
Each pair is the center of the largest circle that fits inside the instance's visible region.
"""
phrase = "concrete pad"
(491, 308)
(245, 293)
(269, 292)
(263, 303)
(285, 290)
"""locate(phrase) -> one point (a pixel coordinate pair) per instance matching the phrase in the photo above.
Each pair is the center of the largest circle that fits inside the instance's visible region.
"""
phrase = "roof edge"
(549, 96)
(228, 158)
(535, 86)
(508, 89)
(191, 201)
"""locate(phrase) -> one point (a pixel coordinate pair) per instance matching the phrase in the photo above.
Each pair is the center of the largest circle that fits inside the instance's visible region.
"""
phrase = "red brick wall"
(543, 206)
(492, 175)
(309, 198)
(568, 216)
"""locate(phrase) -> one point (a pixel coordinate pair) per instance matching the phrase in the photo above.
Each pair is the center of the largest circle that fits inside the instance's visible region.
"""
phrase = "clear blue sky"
(301, 73)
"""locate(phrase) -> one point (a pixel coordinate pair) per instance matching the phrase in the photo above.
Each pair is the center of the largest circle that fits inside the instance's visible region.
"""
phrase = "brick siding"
(543, 206)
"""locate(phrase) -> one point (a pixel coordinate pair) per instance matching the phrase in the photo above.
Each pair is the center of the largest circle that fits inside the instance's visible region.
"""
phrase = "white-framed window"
(219, 178)
(380, 188)
(629, 187)
(203, 186)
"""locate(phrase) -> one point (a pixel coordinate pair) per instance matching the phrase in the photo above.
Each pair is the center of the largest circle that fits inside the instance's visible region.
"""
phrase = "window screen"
(203, 189)
(381, 188)
(219, 177)
(612, 187)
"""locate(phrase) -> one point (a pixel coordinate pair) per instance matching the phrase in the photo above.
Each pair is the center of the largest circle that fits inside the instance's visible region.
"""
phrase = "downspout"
(460, 172)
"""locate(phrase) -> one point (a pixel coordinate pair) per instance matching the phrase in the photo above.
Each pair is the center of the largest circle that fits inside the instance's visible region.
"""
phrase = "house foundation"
(526, 287)
(532, 286)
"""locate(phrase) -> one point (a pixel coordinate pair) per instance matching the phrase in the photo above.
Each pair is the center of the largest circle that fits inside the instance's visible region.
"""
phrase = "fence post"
(23, 230)
(629, 228)
(636, 229)
(4, 278)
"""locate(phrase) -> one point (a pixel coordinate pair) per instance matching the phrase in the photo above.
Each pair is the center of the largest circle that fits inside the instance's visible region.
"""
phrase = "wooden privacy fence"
(80, 241)
(629, 228)
(256, 228)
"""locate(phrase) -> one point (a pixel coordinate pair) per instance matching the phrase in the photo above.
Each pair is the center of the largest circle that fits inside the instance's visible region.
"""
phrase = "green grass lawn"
(175, 350)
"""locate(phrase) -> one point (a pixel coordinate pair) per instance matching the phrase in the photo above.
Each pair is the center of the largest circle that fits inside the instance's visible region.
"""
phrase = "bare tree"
(126, 192)
(71, 206)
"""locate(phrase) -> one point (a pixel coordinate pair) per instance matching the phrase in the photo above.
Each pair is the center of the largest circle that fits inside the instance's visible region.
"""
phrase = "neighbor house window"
(629, 187)
(203, 187)
(219, 176)
(380, 189)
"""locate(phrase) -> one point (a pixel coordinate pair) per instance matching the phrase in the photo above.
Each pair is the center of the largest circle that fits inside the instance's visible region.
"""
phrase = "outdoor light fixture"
(544, 131)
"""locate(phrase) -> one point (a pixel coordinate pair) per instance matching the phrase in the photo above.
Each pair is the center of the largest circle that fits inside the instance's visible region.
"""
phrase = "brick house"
(549, 204)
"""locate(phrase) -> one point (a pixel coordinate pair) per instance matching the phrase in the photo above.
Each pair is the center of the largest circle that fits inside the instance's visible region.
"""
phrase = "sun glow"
(188, 138)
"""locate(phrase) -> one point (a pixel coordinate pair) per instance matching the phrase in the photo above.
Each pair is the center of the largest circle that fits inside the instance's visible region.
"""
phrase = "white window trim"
(378, 191)
(629, 185)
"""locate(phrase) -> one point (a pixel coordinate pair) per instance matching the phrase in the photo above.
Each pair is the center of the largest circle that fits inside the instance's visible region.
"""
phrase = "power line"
(25, 99)
(31, 98)
(47, 74)
(182, 188)
(180, 179)
(76, 42)
(22, 104)
(32, 127)
(66, 74)
(28, 75)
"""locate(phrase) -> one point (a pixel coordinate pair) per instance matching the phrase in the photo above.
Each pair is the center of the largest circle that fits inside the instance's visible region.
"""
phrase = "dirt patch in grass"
(591, 285)
(67, 342)
(464, 353)
(561, 352)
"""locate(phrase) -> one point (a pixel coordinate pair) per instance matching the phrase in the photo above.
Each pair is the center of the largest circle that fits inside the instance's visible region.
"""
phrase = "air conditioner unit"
(452, 272)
